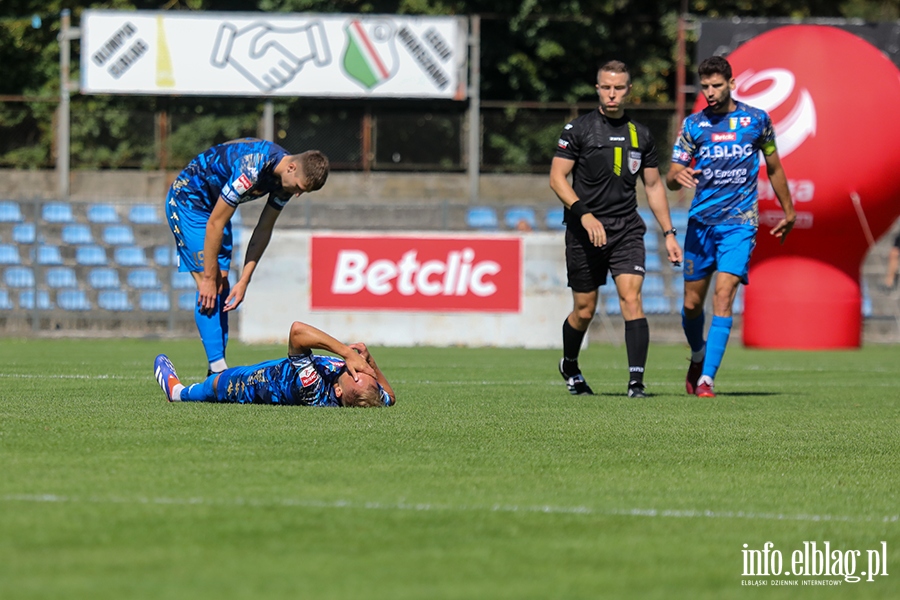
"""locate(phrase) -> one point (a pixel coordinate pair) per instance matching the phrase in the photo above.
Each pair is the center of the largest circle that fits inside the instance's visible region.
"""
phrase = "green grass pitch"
(487, 480)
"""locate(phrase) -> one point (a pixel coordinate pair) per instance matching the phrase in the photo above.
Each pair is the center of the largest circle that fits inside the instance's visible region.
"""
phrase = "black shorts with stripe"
(587, 265)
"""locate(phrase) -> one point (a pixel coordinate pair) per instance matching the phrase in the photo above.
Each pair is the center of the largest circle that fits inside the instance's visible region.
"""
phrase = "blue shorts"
(724, 248)
(189, 228)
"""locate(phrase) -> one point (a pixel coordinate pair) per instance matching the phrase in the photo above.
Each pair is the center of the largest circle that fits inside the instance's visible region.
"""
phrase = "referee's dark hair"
(715, 65)
(614, 66)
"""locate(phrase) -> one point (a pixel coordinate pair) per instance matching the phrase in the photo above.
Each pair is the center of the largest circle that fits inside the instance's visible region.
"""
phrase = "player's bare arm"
(379, 376)
(559, 171)
(656, 197)
(259, 241)
(305, 337)
(778, 179)
(681, 176)
(210, 283)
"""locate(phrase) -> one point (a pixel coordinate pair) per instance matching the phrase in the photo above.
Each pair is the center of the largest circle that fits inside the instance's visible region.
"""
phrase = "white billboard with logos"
(273, 54)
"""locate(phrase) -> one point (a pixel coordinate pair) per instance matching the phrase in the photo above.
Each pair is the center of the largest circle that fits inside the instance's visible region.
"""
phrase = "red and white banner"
(429, 274)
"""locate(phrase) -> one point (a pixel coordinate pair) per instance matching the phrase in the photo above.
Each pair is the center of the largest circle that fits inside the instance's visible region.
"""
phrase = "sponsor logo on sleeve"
(309, 376)
(242, 184)
(563, 143)
(568, 126)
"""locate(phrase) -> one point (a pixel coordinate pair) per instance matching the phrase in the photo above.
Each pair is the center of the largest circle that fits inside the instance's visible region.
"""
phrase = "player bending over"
(301, 378)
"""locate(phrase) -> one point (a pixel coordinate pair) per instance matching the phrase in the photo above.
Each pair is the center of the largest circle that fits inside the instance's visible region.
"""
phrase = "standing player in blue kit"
(199, 208)
(724, 140)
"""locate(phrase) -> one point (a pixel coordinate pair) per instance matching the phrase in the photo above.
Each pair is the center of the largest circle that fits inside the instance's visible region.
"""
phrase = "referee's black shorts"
(587, 265)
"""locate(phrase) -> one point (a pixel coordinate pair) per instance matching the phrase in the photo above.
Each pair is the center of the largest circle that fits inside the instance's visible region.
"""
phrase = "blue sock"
(210, 327)
(223, 320)
(200, 392)
(719, 331)
(693, 330)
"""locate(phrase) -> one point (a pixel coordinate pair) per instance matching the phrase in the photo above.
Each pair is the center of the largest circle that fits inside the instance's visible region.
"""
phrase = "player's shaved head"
(614, 66)
(715, 65)
(315, 168)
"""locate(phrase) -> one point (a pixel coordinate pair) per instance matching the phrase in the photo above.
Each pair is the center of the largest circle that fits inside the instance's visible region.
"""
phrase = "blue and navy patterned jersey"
(238, 171)
(304, 379)
(726, 150)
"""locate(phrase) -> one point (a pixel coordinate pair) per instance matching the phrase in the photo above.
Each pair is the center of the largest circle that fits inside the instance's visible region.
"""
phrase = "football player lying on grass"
(301, 378)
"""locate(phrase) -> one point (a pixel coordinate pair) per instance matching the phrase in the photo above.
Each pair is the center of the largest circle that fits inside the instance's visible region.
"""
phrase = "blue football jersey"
(238, 171)
(305, 379)
(725, 148)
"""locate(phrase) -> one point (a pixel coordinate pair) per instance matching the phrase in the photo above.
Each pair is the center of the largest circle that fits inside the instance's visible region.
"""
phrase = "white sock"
(176, 392)
(218, 366)
(699, 355)
(705, 379)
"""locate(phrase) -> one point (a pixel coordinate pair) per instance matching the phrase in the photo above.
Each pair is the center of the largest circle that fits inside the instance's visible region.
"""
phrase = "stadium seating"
(183, 281)
(26, 300)
(24, 233)
(114, 300)
(19, 277)
(77, 234)
(554, 219)
(144, 214)
(653, 263)
(187, 301)
(118, 235)
(653, 285)
(656, 305)
(5, 302)
(10, 212)
(61, 277)
(164, 256)
(9, 254)
(49, 255)
(75, 300)
(90, 255)
(102, 213)
(104, 278)
(154, 302)
(482, 217)
(521, 218)
(651, 240)
(58, 212)
(130, 256)
(612, 305)
(144, 279)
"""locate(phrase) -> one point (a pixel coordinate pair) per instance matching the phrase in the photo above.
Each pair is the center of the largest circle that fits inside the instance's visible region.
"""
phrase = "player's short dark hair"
(315, 168)
(715, 65)
(614, 66)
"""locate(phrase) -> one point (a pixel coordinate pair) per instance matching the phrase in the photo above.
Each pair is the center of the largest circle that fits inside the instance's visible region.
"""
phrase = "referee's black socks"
(637, 341)
(572, 339)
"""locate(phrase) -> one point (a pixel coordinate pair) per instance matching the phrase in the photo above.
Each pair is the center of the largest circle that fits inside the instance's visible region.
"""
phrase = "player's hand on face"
(594, 228)
(674, 251)
(236, 296)
(363, 351)
(686, 177)
(357, 364)
(209, 291)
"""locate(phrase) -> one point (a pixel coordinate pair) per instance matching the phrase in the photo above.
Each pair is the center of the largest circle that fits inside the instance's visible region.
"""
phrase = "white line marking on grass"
(426, 507)
(67, 376)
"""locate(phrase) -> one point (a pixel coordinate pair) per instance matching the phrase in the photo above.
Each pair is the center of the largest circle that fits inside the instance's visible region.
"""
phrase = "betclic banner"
(273, 54)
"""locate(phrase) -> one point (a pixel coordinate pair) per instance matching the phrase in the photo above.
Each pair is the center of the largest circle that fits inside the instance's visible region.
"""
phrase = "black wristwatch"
(672, 231)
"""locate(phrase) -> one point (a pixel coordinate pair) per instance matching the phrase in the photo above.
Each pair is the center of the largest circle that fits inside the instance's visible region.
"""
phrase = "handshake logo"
(268, 56)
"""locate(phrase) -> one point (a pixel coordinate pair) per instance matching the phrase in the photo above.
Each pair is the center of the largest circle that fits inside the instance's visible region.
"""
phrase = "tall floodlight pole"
(680, 78)
(474, 166)
(62, 129)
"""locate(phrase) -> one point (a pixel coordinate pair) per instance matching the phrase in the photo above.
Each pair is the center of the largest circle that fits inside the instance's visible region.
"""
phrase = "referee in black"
(605, 151)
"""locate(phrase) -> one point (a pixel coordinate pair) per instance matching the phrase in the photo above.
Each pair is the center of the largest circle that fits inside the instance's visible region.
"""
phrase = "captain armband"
(579, 209)
(769, 148)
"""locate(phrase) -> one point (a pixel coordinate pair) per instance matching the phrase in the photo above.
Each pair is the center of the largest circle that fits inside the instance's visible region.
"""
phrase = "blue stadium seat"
(23, 233)
(520, 217)
(118, 235)
(104, 278)
(19, 277)
(183, 281)
(679, 218)
(5, 302)
(144, 214)
(102, 213)
(144, 279)
(26, 300)
(61, 277)
(130, 256)
(612, 306)
(187, 301)
(49, 255)
(651, 240)
(164, 256)
(73, 300)
(58, 212)
(657, 305)
(647, 216)
(654, 285)
(77, 234)
(10, 212)
(155, 302)
(482, 217)
(9, 254)
(554, 219)
(90, 255)
(653, 263)
(115, 300)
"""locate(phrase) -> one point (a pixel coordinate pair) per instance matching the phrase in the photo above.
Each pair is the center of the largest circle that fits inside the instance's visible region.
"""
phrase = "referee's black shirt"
(608, 155)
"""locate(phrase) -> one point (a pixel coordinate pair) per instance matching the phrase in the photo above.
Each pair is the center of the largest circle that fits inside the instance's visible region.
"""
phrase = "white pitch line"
(428, 507)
